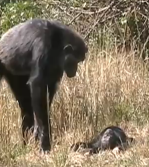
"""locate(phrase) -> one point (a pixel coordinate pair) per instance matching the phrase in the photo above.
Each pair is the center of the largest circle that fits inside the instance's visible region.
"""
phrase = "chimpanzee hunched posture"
(109, 138)
(33, 57)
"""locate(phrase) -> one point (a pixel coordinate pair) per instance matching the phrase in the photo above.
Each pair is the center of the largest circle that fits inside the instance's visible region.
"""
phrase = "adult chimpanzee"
(109, 138)
(33, 57)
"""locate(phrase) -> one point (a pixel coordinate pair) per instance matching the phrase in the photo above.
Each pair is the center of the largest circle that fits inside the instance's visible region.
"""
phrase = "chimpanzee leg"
(22, 94)
(39, 104)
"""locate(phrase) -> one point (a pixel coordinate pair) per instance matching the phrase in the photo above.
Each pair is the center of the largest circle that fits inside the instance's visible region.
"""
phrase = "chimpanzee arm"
(38, 88)
(52, 90)
(39, 104)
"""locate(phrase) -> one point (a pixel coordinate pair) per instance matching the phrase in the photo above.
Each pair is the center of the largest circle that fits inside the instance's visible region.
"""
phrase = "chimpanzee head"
(73, 55)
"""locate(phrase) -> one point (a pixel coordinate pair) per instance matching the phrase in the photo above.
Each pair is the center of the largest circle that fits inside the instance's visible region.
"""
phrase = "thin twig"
(98, 20)
(91, 13)
(71, 21)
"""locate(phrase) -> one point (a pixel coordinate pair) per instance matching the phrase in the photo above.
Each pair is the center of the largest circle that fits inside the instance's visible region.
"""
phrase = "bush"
(14, 13)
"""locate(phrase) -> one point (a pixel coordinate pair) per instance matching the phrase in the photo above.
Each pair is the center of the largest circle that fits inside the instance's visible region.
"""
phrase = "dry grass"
(110, 88)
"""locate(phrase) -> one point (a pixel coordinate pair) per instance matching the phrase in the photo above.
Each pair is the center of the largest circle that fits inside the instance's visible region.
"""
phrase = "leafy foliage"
(14, 13)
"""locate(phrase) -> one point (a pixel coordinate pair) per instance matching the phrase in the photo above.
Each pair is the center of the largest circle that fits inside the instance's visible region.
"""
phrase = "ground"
(110, 89)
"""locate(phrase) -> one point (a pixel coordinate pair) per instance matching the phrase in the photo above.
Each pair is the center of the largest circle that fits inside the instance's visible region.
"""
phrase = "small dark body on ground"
(110, 138)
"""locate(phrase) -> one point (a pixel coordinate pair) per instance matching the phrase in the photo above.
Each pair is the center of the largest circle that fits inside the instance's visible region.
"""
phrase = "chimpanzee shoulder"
(18, 43)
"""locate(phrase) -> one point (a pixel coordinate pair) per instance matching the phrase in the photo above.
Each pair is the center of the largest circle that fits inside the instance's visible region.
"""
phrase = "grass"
(110, 88)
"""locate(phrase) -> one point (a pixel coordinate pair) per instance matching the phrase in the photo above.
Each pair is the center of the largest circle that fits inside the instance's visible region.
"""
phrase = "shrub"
(14, 13)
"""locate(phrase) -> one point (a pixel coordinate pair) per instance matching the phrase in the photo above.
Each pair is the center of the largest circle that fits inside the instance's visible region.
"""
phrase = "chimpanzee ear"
(68, 49)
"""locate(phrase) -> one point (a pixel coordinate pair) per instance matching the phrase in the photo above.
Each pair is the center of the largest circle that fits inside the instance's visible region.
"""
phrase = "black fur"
(109, 138)
(33, 57)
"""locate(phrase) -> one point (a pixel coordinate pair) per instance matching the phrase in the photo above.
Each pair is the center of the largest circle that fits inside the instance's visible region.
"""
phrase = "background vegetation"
(111, 86)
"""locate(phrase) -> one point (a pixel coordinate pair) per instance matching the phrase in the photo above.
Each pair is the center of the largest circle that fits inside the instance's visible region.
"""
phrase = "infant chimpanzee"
(109, 138)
